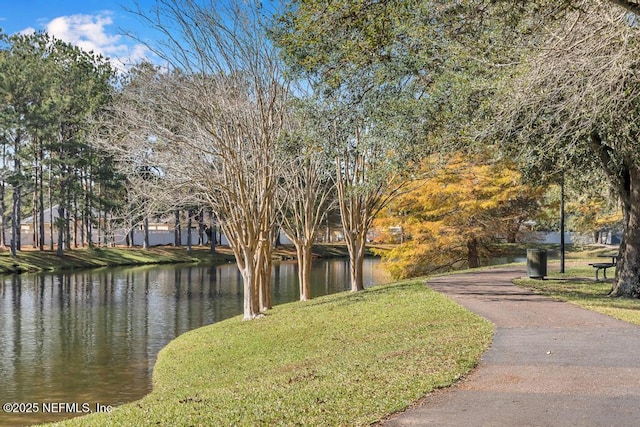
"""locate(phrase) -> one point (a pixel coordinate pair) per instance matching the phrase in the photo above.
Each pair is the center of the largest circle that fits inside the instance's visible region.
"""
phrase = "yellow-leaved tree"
(448, 219)
(595, 215)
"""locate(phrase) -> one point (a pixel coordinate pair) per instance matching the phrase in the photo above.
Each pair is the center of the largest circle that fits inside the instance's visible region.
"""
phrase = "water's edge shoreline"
(34, 261)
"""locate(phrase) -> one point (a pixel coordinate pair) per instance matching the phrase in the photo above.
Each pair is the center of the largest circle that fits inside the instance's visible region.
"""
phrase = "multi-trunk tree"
(215, 117)
(305, 190)
(570, 104)
(369, 96)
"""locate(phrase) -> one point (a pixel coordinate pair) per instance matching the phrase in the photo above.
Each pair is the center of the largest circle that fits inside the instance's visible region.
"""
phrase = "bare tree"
(128, 134)
(226, 158)
(217, 116)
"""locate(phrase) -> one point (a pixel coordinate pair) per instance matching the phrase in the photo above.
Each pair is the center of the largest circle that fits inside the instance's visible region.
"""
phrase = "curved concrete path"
(550, 364)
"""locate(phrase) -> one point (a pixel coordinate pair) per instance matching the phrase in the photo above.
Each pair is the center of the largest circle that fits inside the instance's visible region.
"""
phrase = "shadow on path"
(550, 364)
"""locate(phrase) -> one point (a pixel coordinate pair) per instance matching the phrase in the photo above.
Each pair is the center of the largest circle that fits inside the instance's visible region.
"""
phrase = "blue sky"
(91, 24)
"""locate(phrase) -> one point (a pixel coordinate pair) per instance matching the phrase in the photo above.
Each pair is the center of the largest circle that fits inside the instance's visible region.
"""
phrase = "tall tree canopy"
(377, 70)
(573, 105)
(568, 65)
(51, 94)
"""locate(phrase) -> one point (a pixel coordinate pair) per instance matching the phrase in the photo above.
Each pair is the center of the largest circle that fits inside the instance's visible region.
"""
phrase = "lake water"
(82, 341)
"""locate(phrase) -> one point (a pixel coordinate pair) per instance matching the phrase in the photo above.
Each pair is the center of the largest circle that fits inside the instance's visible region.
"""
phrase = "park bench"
(604, 265)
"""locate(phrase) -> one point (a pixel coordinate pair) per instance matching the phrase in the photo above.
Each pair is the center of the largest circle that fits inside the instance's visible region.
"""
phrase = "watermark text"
(54, 407)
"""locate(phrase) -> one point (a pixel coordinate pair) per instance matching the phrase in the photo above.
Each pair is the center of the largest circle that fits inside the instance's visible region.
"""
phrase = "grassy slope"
(345, 359)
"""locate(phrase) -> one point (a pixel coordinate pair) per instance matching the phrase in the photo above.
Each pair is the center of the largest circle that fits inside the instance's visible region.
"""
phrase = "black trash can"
(536, 263)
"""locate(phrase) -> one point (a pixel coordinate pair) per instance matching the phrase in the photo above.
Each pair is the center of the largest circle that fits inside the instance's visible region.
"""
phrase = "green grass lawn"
(344, 359)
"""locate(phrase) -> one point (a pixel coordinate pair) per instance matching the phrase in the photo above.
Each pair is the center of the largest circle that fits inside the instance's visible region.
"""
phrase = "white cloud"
(28, 30)
(92, 34)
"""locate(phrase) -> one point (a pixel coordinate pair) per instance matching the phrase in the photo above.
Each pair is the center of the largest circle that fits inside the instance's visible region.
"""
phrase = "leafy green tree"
(83, 90)
(370, 97)
(24, 86)
(573, 106)
(397, 81)
(51, 94)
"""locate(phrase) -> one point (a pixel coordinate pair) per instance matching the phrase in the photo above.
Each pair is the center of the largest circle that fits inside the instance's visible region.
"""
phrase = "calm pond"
(70, 342)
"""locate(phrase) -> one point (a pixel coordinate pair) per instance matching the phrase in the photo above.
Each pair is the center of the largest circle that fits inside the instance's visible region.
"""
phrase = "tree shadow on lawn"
(585, 289)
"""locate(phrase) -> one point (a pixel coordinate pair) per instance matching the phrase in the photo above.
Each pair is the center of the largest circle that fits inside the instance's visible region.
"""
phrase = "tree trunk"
(41, 231)
(277, 242)
(472, 253)
(51, 221)
(212, 234)
(328, 235)
(177, 232)
(61, 225)
(3, 206)
(189, 233)
(264, 280)
(251, 308)
(88, 207)
(101, 225)
(145, 231)
(304, 254)
(17, 200)
(201, 227)
(356, 245)
(76, 215)
(627, 281)
(34, 214)
(357, 269)
(264, 262)
(15, 222)
(67, 220)
(36, 191)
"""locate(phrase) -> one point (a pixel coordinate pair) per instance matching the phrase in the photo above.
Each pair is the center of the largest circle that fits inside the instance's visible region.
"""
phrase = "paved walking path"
(550, 364)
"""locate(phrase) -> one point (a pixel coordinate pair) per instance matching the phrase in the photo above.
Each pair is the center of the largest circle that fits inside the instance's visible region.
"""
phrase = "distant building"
(161, 232)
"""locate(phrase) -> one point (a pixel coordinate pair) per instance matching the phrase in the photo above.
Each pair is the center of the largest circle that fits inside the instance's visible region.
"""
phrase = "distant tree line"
(52, 95)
